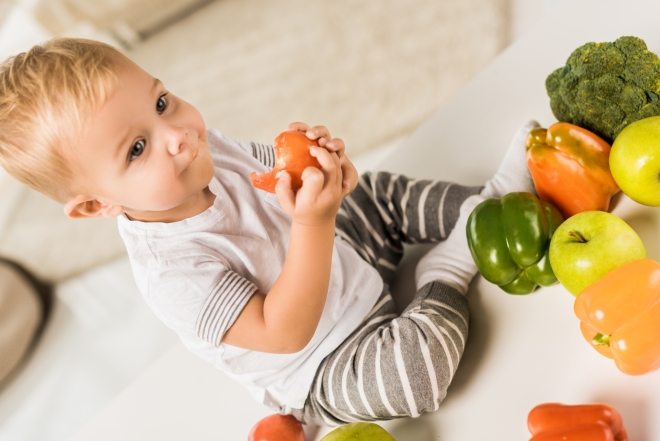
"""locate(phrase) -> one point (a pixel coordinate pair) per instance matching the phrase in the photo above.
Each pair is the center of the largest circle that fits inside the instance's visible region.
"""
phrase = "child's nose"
(177, 137)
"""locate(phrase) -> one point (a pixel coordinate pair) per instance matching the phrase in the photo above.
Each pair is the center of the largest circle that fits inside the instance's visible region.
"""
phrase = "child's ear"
(81, 207)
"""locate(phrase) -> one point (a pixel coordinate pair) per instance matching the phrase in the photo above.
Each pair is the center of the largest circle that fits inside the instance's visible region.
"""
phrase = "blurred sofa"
(100, 334)
(37, 234)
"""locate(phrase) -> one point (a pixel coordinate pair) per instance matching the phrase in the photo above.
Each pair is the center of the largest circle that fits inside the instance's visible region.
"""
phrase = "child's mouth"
(190, 163)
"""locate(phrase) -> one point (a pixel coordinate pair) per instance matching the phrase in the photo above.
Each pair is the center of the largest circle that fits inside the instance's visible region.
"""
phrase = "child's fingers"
(322, 155)
(320, 133)
(329, 163)
(349, 176)
(300, 126)
(313, 180)
(336, 145)
(284, 192)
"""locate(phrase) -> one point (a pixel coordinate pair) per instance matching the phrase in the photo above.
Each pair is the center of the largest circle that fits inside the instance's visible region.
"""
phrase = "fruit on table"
(292, 153)
(509, 239)
(589, 245)
(570, 168)
(620, 316)
(582, 422)
(358, 432)
(635, 161)
(277, 428)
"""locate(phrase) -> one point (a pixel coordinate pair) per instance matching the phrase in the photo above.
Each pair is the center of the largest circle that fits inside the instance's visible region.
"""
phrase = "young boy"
(286, 293)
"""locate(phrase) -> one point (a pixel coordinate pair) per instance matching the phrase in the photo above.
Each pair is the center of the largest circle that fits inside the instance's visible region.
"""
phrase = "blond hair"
(46, 94)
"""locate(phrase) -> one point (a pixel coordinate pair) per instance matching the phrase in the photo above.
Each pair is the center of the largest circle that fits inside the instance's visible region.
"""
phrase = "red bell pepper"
(292, 155)
(584, 422)
(277, 428)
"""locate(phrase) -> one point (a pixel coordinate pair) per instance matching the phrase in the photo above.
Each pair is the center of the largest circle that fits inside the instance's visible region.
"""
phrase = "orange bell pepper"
(583, 422)
(292, 155)
(570, 168)
(620, 316)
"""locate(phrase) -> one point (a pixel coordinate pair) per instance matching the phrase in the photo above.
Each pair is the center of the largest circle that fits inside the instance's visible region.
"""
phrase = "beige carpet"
(371, 71)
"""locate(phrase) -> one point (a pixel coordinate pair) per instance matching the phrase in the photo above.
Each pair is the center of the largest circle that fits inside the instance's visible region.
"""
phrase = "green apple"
(589, 245)
(358, 432)
(635, 161)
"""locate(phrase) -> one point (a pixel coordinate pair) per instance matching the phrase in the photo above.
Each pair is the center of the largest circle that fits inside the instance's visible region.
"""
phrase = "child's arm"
(285, 320)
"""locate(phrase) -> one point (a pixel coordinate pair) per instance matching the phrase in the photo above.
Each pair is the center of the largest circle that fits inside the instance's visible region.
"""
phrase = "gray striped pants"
(394, 366)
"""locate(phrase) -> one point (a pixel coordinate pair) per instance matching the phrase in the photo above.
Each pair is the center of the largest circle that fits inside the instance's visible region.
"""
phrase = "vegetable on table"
(620, 316)
(292, 153)
(570, 168)
(509, 240)
(605, 86)
(582, 422)
(277, 428)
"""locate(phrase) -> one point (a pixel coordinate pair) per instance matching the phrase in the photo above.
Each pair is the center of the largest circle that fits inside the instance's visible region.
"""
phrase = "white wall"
(526, 13)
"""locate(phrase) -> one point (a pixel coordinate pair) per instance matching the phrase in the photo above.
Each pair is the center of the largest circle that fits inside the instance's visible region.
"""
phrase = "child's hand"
(317, 201)
(322, 135)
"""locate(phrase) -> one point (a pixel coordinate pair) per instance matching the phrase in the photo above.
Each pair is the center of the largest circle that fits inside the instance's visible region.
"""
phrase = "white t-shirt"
(197, 274)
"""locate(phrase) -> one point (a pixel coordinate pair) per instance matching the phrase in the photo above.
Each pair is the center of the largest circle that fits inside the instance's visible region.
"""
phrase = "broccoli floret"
(606, 86)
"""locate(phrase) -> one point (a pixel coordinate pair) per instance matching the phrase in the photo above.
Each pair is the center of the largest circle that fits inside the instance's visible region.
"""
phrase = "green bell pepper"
(509, 239)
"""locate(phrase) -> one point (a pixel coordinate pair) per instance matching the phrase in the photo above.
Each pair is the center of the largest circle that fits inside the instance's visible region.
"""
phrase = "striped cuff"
(223, 307)
(264, 154)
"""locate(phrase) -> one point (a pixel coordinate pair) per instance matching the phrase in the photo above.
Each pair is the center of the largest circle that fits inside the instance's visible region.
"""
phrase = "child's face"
(144, 153)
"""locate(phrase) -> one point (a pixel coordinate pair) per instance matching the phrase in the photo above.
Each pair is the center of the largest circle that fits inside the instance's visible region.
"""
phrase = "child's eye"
(136, 150)
(161, 104)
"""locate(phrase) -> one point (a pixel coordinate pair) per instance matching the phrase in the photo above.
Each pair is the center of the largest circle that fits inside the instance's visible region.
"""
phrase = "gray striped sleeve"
(223, 307)
(264, 154)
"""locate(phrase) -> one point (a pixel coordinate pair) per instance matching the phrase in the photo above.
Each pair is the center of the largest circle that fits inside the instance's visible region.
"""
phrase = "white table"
(522, 351)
